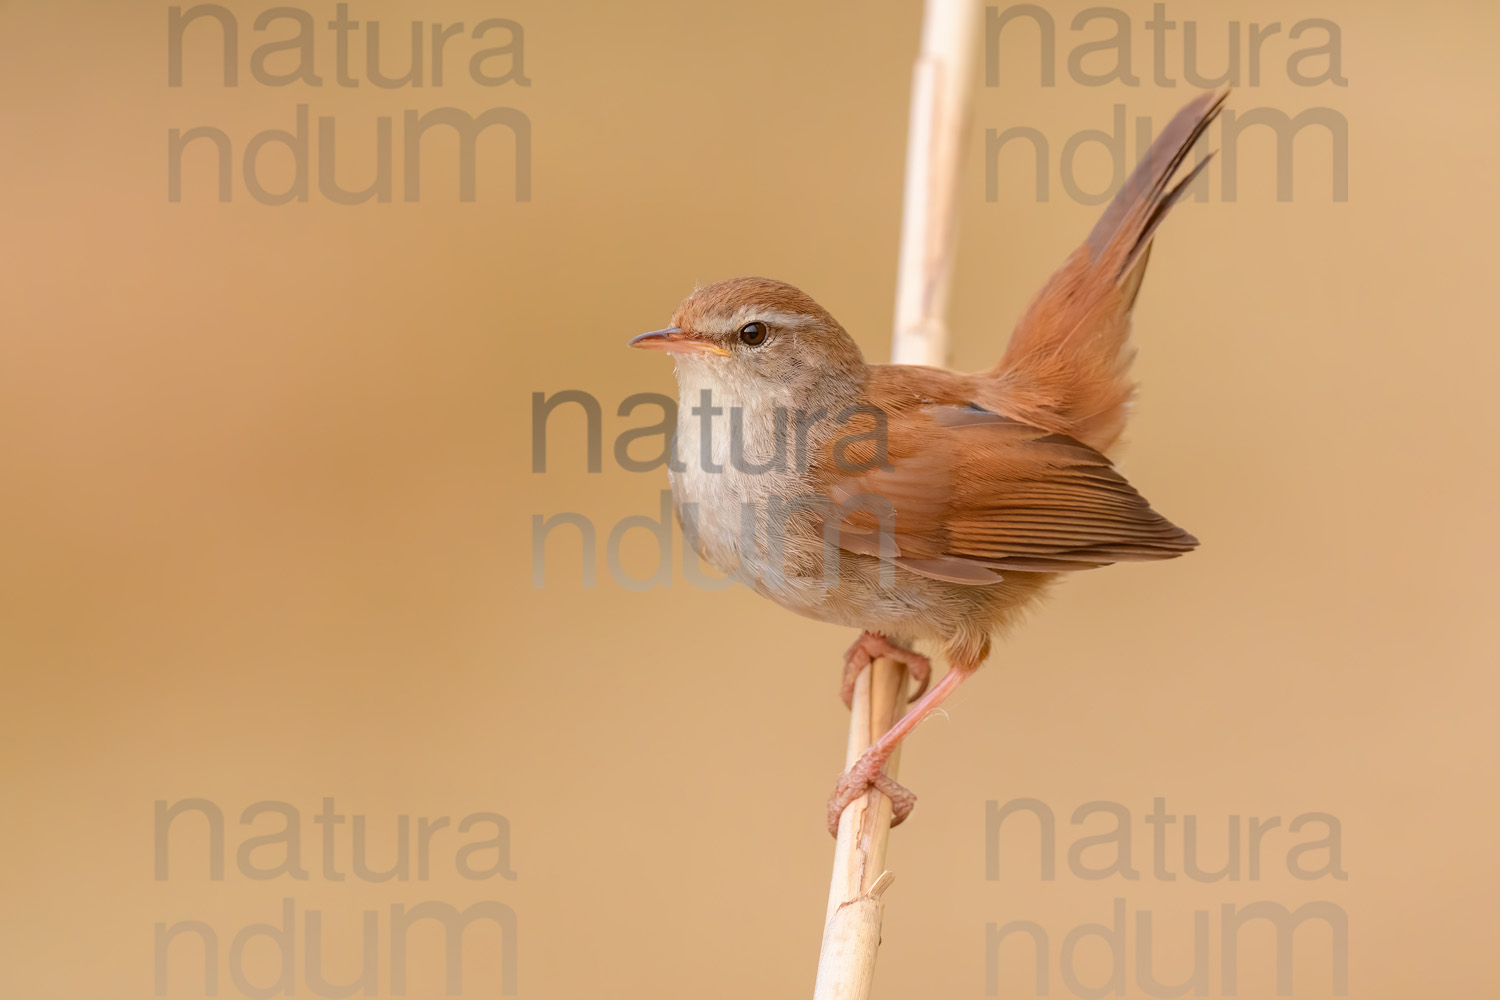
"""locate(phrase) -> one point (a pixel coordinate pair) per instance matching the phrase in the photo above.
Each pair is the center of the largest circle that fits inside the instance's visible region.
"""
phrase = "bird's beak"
(675, 341)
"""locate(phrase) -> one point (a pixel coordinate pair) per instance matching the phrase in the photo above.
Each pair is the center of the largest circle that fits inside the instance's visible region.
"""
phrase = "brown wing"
(975, 493)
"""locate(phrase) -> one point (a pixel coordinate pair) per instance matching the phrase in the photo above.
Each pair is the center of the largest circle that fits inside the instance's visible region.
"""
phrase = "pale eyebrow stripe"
(776, 317)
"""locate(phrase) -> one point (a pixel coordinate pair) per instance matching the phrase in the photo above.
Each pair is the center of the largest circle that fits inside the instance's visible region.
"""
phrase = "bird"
(914, 503)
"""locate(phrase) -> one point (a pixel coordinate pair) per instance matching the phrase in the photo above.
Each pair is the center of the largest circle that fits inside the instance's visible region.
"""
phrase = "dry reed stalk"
(942, 84)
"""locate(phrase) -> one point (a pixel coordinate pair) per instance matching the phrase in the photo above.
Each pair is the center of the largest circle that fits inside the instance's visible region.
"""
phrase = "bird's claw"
(868, 772)
(871, 645)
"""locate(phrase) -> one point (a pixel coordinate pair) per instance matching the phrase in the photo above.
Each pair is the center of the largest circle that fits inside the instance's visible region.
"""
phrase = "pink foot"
(869, 647)
(866, 773)
(869, 770)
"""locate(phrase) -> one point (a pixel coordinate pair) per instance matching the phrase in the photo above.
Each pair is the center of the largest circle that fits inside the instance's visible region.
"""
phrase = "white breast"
(718, 486)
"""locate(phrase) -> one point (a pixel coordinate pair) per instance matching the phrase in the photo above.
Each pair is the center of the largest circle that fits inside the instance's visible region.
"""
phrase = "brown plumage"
(1065, 367)
(912, 502)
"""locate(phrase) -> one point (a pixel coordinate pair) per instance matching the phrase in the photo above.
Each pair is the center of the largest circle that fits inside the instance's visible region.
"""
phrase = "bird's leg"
(869, 647)
(869, 770)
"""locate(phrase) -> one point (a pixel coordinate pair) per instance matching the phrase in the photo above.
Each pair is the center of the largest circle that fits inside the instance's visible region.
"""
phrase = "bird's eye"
(753, 334)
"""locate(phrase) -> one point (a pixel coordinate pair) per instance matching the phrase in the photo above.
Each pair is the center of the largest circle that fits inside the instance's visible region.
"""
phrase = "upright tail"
(1066, 366)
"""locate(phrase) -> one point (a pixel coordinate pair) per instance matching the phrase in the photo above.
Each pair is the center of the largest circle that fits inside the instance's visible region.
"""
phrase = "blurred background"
(269, 495)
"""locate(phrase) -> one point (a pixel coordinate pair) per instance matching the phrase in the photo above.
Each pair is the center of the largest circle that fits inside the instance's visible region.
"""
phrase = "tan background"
(268, 499)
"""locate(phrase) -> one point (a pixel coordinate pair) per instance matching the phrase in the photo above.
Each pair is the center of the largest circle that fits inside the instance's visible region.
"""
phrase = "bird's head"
(754, 337)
